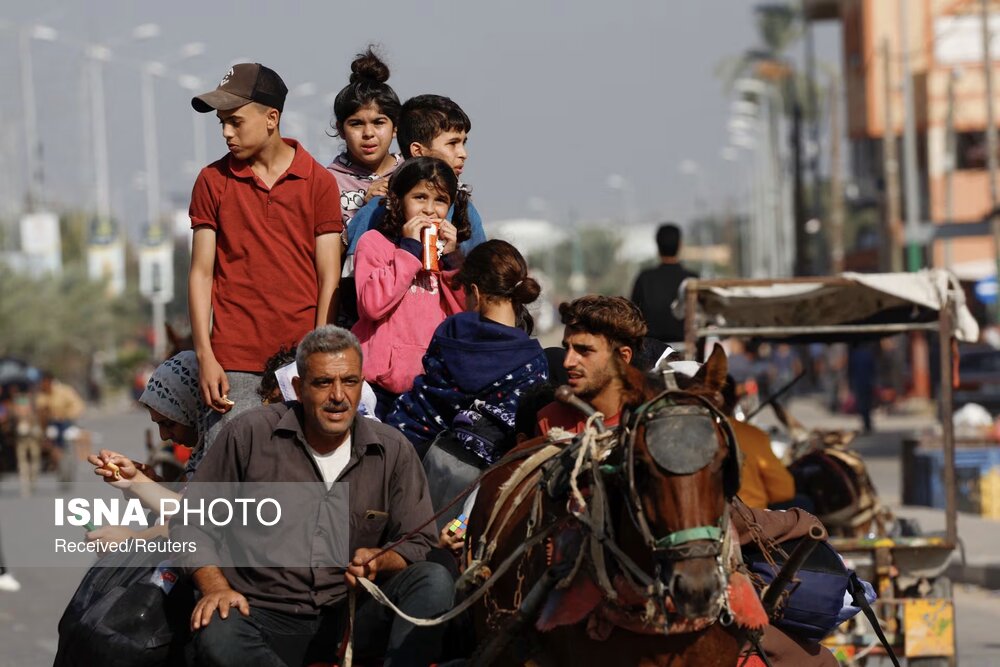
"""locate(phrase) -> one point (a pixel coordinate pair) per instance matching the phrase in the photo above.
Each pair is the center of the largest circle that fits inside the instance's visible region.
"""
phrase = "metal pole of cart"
(690, 319)
(946, 339)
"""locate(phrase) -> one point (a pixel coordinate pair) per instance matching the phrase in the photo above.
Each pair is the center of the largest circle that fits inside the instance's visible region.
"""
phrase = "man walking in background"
(655, 289)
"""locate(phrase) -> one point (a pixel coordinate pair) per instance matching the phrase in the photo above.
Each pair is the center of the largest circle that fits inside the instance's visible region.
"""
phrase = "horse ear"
(712, 374)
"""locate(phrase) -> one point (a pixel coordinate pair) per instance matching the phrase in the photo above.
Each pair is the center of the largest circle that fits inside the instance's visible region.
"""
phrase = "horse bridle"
(678, 545)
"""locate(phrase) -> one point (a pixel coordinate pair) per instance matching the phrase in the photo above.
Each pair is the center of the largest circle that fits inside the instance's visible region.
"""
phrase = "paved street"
(28, 618)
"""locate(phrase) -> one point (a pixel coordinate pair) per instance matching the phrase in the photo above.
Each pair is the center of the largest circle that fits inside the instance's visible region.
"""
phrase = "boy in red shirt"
(265, 260)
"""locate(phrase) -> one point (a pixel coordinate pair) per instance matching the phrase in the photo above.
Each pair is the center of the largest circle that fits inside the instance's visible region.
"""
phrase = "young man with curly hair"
(602, 335)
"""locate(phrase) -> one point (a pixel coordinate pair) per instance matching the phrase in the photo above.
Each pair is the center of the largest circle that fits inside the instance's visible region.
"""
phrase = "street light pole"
(150, 70)
(991, 139)
(909, 145)
(97, 55)
(32, 162)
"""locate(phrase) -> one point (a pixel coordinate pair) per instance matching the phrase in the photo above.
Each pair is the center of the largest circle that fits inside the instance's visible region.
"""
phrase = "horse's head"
(681, 469)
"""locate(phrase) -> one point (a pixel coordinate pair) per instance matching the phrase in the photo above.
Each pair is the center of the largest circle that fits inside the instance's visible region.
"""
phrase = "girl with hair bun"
(479, 362)
(365, 114)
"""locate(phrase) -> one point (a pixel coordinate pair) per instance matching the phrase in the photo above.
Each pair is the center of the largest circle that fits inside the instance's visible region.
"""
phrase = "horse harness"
(682, 439)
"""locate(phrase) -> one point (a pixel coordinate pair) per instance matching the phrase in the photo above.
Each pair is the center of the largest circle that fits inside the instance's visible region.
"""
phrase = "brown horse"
(662, 489)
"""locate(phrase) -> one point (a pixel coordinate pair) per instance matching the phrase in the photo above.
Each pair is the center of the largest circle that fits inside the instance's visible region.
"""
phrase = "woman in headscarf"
(173, 401)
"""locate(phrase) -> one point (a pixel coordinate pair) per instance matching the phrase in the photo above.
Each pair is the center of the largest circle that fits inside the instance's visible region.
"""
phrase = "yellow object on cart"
(929, 627)
(989, 493)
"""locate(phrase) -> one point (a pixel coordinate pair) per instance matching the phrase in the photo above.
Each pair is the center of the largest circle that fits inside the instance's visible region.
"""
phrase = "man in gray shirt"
(297, 615)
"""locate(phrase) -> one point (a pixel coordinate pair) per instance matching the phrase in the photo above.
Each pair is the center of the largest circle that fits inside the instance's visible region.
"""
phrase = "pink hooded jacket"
(399, 307)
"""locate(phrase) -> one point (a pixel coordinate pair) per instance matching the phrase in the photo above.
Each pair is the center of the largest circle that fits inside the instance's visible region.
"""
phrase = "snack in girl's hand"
(114, 469)
(458, 526)
(429, 239)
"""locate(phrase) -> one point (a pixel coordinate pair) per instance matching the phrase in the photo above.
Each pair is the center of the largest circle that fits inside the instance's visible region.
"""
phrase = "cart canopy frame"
(842, 308)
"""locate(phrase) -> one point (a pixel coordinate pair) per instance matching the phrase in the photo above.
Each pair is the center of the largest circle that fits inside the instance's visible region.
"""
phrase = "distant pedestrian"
(265, 259)
(861, 373)
(655, 289)
(27, 433)
(58, 406)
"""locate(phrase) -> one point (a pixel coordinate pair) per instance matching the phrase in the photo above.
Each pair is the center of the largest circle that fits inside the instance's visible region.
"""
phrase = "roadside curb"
(985, 575)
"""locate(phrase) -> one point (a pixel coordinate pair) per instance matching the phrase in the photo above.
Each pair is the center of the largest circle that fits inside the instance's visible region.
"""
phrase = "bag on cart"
(130, 609)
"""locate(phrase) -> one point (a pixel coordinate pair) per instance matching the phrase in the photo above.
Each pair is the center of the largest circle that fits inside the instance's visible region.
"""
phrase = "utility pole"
(890, 169)
(97, 55)
(801, 261)
(909, 145)
(991, 128)
(32, 161)
(949, 164)
(991, 139)
(836, 183)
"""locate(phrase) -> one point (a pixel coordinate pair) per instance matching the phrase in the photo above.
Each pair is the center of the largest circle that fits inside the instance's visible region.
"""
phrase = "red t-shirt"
(265, 286)
(560, 415)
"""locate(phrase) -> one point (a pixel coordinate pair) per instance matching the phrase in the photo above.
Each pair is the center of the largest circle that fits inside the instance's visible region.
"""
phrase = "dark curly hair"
(424, 117)
(407, 177)
(268, 387)
(614, 317)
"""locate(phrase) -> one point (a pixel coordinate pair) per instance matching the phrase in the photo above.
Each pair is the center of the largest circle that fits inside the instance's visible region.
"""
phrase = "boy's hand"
(214, 386)
(378, 188)
(411, 229)
(449, 234)
(450, 541)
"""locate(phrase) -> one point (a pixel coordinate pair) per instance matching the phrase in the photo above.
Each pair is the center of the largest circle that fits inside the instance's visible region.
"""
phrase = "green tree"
(604, 272)
(60, 322)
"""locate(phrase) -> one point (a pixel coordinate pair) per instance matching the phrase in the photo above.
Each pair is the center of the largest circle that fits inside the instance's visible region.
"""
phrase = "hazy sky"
(561, 94)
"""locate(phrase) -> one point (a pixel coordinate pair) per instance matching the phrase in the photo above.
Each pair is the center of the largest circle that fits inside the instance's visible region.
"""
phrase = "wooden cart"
(915, 600)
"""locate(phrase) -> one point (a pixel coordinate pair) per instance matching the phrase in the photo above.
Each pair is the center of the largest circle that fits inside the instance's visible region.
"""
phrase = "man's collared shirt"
(388, 499)
(568, 418)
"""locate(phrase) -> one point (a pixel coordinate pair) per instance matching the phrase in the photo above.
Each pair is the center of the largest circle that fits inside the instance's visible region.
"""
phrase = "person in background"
(58, 406)
(481, 361)
(265, 257)
(655, 289)
(24, 428)
(862, 369)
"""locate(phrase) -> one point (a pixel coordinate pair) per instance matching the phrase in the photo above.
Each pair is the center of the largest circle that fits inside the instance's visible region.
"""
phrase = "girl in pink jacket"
(400, 303)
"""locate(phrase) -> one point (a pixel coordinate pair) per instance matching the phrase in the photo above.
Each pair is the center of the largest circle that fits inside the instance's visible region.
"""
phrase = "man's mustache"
(336, 406)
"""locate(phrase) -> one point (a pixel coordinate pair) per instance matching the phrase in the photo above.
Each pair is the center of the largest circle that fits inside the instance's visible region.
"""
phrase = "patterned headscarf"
(173, 391)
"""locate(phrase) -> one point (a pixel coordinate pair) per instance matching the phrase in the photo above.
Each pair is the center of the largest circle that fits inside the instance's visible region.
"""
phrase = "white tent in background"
(526, 234)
